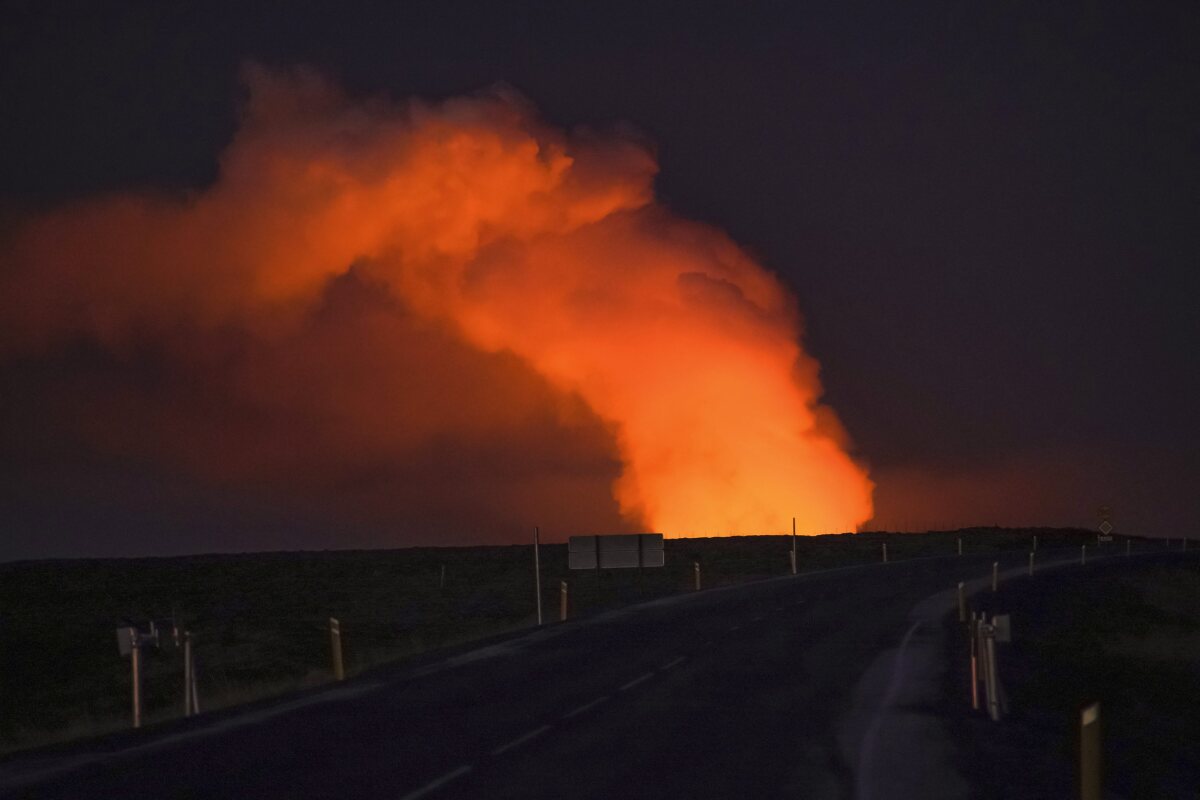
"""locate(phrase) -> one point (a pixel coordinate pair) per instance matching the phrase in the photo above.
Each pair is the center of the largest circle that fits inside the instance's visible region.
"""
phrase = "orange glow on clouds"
(518, 239)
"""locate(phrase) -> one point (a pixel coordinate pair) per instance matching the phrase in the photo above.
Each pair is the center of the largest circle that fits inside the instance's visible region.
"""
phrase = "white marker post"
(995, 576)
(993, 682)
(1089, 753)
(885, 552)
(1035, 544)
(335, 647)
(962, 603)
(1083, 554)
(187, 674)
(1031, 565)
(696, 569)
(562, 601)
(195, 696)
(793, 545)
(537, 573)
(960, 545)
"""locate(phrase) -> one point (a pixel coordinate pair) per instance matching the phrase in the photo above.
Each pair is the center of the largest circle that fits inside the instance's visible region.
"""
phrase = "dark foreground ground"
(742, 692)
(1124, 634)
(260, 620)
(759, 690)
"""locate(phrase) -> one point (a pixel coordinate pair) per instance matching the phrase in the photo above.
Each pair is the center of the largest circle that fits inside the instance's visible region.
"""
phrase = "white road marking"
(438, 783)
(520, 740)
(636, 681)
(585, 707)
(866, 749)
(674, 663)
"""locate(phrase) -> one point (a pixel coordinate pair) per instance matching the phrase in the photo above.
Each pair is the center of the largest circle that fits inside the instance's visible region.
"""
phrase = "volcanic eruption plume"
(474, 230)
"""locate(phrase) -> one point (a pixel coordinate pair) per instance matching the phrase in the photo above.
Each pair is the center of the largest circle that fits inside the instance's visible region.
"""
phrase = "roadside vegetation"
(1124, 634)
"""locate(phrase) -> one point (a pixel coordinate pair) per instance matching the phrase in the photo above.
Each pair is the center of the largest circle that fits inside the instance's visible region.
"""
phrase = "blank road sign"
(616, 551)
(1002, 627)
(126, 639)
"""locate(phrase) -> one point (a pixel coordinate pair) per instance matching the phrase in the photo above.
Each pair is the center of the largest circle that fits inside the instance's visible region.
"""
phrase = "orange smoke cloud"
(510, 248)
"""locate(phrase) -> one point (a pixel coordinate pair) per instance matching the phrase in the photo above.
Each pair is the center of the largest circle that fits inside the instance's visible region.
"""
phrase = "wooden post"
(562, 601)
(696, 569)
(995, 576)
(335, 645)
(1089, 753)
(974, 639)
(537, 573)
(962, 603)
(135, 660)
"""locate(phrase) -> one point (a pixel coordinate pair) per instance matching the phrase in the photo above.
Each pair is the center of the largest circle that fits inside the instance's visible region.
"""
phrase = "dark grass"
(1124, 634)
(260, 620)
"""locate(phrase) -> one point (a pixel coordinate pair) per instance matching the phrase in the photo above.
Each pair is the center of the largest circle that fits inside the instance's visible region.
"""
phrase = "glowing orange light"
(523, 240)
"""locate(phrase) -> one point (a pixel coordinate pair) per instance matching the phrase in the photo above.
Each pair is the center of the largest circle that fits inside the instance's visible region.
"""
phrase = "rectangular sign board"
(616, 551)
(1002, 627)
(126, 637)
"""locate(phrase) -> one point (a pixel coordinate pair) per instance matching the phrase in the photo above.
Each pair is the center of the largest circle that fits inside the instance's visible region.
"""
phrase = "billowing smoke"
(369, 282)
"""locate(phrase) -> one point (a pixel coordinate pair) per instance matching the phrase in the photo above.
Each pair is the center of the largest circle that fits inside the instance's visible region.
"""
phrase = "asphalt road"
(728, 693)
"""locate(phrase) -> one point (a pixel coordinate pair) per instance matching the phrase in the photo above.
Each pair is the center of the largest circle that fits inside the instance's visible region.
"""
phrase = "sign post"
(537, 574)
(130, 642)
(1106, 528)
(135, 659)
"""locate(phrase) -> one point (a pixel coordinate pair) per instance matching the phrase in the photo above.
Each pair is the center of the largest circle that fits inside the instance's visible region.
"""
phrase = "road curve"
(769, 689)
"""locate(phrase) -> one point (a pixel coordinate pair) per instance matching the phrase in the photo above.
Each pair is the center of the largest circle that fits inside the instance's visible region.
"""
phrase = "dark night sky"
(988, 213)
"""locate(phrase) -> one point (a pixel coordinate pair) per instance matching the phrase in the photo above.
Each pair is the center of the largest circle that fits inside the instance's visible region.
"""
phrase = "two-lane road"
(736, 692)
